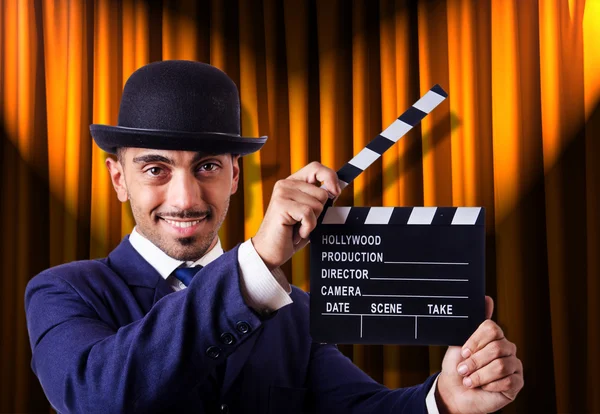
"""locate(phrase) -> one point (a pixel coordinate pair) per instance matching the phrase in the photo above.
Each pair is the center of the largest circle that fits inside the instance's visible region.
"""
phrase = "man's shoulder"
(79, 273)
(73, 273)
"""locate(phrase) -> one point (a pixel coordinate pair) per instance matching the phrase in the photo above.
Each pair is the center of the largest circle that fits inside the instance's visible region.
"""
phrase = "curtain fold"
(252, 88)
(518, 136)
(298, 72)
(591, 80)
(564, 154)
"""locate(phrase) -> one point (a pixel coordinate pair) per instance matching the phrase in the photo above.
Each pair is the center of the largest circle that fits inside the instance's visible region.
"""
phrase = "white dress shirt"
(430, 403)
(262, 290)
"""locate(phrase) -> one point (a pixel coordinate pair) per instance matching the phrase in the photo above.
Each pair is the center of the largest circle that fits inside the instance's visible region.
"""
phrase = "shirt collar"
(162, 262)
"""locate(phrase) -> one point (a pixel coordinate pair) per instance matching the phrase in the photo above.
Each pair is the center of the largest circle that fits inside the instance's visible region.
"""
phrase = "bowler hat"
(178, 105)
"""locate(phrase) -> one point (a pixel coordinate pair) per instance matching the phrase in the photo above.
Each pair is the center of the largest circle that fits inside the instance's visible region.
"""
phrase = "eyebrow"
(160, 158)
(199, 156)
(152, 158)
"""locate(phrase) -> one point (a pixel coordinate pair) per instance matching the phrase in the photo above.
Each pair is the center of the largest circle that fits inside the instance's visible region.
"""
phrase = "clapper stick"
(384, 141)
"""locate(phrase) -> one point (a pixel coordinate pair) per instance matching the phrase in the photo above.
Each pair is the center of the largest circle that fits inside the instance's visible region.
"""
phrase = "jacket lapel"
(137, 272)
(162, 289)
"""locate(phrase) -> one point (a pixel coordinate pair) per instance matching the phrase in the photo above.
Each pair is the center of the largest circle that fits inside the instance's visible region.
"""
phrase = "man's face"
(178, 198)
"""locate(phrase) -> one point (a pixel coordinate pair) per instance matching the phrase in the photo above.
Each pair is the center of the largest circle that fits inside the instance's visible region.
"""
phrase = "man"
(144, 331)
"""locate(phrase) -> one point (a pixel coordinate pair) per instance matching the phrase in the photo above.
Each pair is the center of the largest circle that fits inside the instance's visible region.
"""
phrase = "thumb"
(489, 307)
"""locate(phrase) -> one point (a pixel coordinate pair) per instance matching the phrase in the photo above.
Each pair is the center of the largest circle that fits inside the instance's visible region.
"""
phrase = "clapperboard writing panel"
(397, 275)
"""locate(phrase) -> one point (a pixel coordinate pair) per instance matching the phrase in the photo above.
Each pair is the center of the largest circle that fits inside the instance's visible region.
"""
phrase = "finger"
(316, 205)
(290, 186)
(300, 243)
(298, 240)
(304, 215)
(489, 307)
(299, 192)
(487, 332)
(283, 188)
(296, 234)
(315, 173)
(493, 350)
(509, 385)
(495, 370)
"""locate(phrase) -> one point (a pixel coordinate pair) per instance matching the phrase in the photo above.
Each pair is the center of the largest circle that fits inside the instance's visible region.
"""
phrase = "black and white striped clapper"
(397, 275)
(391, 134)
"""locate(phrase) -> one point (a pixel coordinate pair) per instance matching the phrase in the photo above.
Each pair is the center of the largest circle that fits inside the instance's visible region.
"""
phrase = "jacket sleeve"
(85, 366)
(339, 386)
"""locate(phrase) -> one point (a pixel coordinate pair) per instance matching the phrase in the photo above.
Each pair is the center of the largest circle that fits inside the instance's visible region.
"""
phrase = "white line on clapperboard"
(419, 280)
(424, 280)
(431, 263)
(387, 316)
(418, 296)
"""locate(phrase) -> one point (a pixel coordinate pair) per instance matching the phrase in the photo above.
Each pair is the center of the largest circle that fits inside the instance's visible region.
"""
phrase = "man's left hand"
(482, 376)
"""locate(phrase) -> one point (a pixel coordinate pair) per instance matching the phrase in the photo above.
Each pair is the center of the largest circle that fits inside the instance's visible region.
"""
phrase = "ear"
(236, 173)
(117, 176)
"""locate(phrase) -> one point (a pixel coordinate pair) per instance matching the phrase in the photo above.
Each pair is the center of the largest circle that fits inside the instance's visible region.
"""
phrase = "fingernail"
(462, 369)
(467, 382)
(466, 352)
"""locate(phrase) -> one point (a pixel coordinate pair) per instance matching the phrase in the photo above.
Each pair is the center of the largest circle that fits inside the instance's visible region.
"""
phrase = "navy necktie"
(186, 274)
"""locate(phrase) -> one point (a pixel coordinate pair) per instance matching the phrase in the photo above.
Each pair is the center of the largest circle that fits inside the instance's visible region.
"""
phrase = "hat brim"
(109, 138)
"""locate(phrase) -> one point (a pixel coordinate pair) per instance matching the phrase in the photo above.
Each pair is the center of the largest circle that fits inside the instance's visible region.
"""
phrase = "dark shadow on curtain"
(561, 192)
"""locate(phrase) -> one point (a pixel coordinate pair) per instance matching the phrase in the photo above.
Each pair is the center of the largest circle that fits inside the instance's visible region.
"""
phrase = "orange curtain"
(518, 135)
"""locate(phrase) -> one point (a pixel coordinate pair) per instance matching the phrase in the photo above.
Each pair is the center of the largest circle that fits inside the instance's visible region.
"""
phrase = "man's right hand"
(295, 205)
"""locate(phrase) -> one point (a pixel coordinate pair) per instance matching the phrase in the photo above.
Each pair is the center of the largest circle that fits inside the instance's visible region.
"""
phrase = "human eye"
(208, 167)
(154, 171)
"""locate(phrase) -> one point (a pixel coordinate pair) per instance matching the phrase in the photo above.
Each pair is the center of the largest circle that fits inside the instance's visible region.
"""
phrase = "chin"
(184, 255)
(187, 249)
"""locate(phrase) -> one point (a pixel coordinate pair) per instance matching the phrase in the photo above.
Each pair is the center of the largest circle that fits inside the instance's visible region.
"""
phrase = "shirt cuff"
(430, 403)
(262, 290)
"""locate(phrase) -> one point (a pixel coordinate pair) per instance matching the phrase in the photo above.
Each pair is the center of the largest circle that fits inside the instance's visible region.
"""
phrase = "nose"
(184, 191)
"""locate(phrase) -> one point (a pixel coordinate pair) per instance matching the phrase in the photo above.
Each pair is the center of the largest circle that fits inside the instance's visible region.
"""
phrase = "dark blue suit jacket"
(111, 336)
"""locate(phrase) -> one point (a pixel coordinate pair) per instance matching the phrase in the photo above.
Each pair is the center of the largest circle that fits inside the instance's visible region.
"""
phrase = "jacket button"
(213, 352)
(224, 408)
(227, 338)
(243, 327)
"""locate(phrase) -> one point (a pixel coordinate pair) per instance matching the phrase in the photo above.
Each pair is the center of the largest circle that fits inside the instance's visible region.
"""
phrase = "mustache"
(185, 214)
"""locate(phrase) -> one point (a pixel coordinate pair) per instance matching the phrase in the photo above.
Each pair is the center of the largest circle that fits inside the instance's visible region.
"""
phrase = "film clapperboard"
(397, 275)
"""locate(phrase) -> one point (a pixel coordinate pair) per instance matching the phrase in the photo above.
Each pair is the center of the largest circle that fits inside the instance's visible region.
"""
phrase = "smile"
(182, 224)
